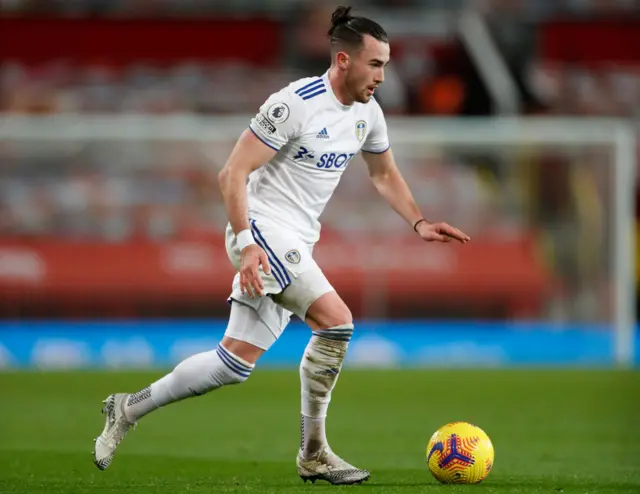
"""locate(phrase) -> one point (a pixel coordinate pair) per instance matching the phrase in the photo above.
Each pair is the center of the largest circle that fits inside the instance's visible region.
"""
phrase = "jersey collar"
(325, 78)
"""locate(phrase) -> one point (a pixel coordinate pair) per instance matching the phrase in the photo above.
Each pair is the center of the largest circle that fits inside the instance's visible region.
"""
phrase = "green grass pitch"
(553, 431)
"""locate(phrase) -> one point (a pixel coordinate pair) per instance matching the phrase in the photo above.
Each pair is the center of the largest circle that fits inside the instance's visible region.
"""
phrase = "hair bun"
(341, 16)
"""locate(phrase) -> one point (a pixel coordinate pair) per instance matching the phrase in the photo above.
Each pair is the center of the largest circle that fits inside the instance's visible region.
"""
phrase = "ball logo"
(460, 453)
(361, 129)
(278, 113)
(293, 256)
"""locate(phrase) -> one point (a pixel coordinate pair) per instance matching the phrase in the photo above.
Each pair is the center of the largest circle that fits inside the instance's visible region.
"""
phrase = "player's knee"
(341, 317)
(329, 311)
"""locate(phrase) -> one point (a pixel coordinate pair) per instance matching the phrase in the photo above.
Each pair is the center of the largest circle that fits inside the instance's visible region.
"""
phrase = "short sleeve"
(279, 120)
(377, 140)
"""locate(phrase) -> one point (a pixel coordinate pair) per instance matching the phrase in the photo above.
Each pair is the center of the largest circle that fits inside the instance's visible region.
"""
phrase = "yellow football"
(460, 453)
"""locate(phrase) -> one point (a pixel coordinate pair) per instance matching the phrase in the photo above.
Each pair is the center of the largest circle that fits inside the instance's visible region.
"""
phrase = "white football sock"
(319, 371)
(194, 376)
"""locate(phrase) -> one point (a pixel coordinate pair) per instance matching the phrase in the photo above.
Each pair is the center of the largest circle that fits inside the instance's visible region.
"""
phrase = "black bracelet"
(415, 227)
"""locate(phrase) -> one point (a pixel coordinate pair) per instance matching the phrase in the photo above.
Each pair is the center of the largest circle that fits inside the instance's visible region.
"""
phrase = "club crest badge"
(361, 129)
(293, 256)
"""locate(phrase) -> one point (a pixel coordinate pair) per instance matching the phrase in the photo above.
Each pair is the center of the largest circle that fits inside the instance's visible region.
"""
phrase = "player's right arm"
(249, 154)
(278, 121)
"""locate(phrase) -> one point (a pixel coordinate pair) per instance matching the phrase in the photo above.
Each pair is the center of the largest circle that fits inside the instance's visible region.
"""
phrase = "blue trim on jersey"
(274, 268)
(308, 86)
(312, 95)
(316, 87)
(286, 275)
(265, 142)
(378, 152)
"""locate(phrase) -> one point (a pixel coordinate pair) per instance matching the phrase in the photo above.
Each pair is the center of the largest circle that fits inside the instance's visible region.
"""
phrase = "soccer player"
(293, 155)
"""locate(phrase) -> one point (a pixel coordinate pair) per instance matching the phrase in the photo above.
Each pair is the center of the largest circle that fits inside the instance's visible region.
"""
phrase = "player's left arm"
(392, 186)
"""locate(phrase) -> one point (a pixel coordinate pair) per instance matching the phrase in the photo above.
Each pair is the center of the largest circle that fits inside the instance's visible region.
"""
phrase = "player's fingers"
(259, 279)
(464, 236)
(242, 290)
(256, 289)
(250, 289)
(256, 281)
(436, 237)
(264, 261)
(247, 282)
(453, 233)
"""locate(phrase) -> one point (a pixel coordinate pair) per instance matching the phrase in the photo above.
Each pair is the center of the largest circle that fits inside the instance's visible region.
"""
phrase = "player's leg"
(254, 324)
(247, 337)
(332, 327)
(306, 292)
(231, 362)
(314, 300)
(331, 323)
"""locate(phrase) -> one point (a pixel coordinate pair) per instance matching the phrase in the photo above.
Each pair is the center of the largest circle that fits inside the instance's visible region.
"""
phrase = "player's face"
(366, 70)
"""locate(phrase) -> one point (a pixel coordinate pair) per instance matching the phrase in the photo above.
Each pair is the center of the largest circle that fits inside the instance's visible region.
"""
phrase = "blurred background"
(515, 120)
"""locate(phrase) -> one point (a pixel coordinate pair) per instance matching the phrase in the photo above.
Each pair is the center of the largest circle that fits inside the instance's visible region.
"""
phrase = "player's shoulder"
(283, 103)
(298, 99)
(301, 91)
(307, 88)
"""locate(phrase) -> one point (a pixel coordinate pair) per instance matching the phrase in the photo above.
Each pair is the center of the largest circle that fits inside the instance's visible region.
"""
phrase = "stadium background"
(112, 255)
(115, 116)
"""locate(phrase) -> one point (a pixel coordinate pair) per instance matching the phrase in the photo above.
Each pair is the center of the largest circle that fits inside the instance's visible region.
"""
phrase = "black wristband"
(415, 226)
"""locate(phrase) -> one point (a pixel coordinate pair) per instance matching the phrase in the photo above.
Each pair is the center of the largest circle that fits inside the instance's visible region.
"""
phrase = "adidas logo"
(323, 134)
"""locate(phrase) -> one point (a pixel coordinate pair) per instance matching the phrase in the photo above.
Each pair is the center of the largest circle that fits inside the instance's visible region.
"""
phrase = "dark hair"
(349, 31)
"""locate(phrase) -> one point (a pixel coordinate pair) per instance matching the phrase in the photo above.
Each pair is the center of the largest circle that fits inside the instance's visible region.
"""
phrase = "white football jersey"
(316, 137)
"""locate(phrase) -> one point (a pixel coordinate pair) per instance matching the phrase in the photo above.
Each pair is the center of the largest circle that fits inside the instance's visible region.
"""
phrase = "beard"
(362, 97)
(357, 90)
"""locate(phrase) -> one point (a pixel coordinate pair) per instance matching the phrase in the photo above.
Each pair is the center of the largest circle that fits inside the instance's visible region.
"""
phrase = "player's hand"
(251, 258)
(441, 232)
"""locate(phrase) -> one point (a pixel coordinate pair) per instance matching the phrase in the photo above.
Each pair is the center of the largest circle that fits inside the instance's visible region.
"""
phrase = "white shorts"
(295, 281)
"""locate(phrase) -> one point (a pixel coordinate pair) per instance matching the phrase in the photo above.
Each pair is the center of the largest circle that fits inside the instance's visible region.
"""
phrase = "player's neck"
(338, 87)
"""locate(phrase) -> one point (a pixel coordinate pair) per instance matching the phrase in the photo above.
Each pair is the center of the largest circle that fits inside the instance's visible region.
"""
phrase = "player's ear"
(342, 58)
